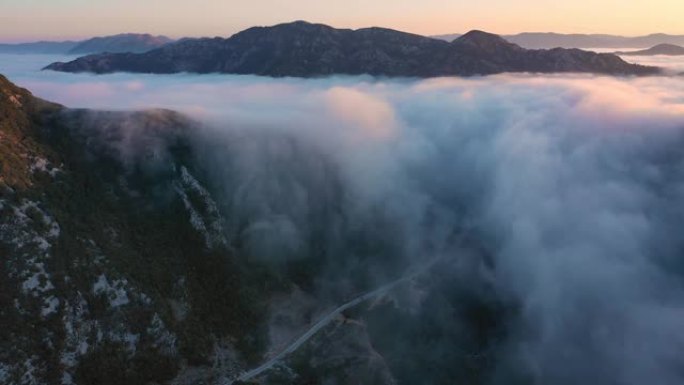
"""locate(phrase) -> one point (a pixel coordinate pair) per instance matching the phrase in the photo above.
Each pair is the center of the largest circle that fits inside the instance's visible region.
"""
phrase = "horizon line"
(64, 39)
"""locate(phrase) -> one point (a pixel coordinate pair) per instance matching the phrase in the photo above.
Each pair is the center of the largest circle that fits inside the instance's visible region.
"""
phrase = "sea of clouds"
(573, 184)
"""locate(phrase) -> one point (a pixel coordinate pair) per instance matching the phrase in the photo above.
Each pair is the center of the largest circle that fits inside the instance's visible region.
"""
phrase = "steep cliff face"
(114, 267)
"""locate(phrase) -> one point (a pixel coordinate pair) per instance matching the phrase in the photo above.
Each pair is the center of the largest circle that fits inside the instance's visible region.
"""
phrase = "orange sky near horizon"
(28, 20)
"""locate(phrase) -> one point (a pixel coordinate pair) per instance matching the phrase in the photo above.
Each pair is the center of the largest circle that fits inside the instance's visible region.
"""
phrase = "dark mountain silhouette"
(545, 40)
(303, 49)
(660, 49)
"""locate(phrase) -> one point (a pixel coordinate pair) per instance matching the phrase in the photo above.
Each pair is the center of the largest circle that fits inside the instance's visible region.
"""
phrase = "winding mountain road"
(325, 320)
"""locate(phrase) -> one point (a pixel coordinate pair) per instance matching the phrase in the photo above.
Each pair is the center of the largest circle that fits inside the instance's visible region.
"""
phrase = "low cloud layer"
(573, 185)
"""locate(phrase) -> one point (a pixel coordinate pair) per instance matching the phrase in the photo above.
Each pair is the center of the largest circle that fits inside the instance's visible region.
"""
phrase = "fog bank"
(572, 185)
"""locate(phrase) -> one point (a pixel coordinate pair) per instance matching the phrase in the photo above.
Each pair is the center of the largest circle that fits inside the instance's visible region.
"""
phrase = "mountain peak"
(479, 36)
(485, 41)
(667, 46)
(15, 99)
(284, 31)
(299, 25)
(660, 49)
(12, 96)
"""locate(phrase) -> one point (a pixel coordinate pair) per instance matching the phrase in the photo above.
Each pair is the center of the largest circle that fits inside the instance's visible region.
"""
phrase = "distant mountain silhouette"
(39, 47)
(303, 49)
(660, 49)
(126, 42)
(544, 40)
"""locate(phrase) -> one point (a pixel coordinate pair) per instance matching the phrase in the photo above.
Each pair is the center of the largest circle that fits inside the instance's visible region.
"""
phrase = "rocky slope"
(306, 50)
(113, 267)
(123, 262)
(660, 49)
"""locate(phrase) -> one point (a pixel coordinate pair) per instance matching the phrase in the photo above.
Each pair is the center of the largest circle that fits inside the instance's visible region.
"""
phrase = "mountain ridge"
(302, 49)
(548, 40)
(123, 42)
(38, 47)
(660, 49)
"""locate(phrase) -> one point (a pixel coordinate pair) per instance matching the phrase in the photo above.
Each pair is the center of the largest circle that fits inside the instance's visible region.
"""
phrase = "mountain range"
(303, 49)
(39, 47)
(660, 49)
(131, 42)
(126, 42)
(546, 40)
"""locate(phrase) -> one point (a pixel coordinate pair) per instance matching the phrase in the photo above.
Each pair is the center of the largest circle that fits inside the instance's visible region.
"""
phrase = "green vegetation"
(122, 219)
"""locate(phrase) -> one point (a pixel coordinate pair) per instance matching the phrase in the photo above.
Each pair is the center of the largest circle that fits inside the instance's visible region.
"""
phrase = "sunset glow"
(62, 19)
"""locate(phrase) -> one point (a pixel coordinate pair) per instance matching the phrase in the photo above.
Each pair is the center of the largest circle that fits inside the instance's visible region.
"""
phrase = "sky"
(29, 20)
